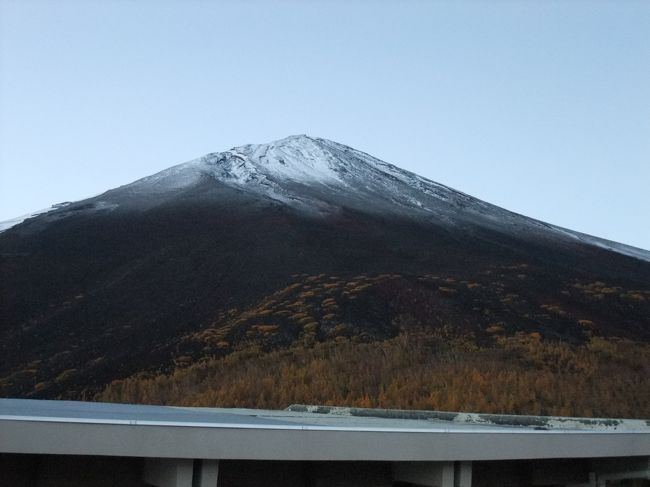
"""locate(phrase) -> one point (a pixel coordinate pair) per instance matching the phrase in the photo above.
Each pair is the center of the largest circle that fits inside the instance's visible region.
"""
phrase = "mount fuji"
(115, 284)
(319, 177)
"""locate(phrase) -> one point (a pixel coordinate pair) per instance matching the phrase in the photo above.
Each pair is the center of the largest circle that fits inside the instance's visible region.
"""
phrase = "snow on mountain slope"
(7, 224)
(312, 174)
(318, 176)
(620, 248)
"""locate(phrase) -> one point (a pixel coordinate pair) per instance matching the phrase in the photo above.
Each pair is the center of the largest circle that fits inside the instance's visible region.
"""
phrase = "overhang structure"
(316, 445)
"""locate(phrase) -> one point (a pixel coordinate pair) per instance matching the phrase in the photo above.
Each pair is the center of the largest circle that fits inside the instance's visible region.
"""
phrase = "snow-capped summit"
(298, 158)
(319, 177)
(311, 174)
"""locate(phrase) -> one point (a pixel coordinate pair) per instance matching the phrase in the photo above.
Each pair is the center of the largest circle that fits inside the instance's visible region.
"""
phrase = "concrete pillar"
(447, 477)
(463, 474)
(434, 474)
(592, 481)
(173, 472)
(168, 472)
(206, 473)
(615, 470)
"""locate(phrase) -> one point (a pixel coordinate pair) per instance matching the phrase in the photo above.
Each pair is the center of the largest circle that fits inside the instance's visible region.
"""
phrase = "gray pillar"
(207, 473)
(447, 475)
(619, 469)
(168, 472)
(463, 474)
(433, 474)
(593, 481)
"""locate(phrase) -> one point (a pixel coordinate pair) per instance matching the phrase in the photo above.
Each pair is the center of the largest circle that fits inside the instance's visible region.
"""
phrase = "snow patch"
(7, 224)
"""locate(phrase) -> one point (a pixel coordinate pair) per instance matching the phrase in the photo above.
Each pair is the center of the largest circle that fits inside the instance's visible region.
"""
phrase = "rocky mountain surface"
(301, 242)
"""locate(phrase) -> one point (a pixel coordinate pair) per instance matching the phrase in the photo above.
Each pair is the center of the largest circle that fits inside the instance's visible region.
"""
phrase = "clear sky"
(540, 107)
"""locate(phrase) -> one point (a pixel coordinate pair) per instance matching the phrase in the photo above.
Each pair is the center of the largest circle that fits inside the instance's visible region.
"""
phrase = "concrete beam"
(262, 442)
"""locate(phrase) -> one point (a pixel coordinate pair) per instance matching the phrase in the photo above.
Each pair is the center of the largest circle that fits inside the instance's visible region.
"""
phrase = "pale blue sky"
(540, 107)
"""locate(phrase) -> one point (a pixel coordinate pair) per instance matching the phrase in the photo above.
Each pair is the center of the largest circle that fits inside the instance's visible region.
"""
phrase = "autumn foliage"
(520, 374)
(503, 339)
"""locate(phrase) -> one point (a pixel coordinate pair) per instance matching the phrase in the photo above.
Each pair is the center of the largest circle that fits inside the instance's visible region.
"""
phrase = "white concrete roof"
(306, 433)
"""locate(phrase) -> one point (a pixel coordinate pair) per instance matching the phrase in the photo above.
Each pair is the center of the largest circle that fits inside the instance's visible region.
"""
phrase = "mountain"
(299, 242)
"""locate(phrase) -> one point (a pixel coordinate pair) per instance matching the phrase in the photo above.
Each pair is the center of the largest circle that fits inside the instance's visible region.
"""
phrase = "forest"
(512, 338)
(519, 374)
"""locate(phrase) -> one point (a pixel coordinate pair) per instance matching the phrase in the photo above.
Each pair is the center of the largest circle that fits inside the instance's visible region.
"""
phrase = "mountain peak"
(286, 142)
(290, 139)
(317, 176)
(320, 176)
(297, 158)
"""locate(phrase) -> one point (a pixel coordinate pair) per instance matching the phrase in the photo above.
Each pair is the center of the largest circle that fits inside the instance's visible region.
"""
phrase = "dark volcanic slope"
(115, 284)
